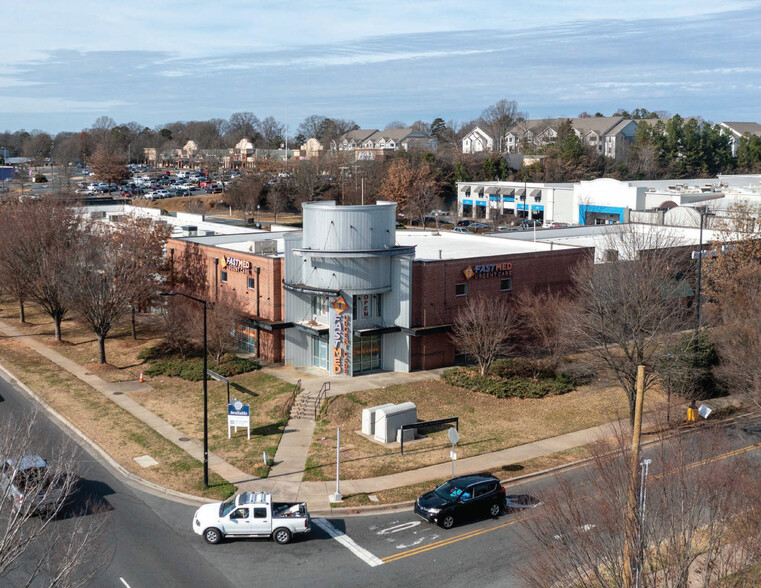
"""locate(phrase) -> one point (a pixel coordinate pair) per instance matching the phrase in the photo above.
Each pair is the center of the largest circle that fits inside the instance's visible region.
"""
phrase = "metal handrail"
(321, 395)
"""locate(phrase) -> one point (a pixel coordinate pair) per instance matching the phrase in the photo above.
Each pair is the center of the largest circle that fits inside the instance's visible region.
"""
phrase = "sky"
(64, 64)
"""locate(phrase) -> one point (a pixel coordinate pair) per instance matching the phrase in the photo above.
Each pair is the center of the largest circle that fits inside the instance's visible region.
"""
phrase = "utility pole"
(631, 545)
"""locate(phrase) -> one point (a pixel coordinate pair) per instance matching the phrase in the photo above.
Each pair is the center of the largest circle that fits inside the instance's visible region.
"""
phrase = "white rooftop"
(432, 245)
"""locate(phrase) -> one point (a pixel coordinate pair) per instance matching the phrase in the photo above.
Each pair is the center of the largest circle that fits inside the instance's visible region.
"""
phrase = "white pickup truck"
(252, 514)
(30, 485)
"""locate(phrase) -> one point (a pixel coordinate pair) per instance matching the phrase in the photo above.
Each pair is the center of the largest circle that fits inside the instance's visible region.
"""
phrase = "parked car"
(252, 514)
(459, 230)
(29, 484)
(214, 189)
(461, 498)
(463, 223)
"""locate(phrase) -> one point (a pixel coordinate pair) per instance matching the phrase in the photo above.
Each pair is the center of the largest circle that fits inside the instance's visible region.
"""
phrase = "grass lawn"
(120, 434)
(80, 344)
(486, 424)
(177, 401)
(181, 403)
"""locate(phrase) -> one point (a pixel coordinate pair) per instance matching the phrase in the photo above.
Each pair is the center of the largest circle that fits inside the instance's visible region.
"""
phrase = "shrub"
(40, 178)
(511, 387)
(191, 369)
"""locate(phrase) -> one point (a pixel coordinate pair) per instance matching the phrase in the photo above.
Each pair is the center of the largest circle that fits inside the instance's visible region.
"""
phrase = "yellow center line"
(445, 542)
(471, 534)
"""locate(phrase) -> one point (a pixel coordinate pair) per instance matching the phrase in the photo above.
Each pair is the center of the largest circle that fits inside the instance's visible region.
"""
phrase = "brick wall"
(270, 293)
(434, 299)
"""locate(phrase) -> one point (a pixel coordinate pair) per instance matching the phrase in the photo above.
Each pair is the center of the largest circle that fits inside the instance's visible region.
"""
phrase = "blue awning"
(467, 201)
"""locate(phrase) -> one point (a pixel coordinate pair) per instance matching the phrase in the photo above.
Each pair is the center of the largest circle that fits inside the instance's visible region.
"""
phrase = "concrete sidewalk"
(290, 459)
(115, 392)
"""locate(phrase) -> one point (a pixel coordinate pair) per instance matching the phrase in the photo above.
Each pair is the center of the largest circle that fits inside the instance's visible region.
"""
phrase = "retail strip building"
(350, 294)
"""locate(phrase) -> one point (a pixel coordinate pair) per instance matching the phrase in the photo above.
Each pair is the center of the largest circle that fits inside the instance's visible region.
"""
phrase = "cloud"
(560, 69)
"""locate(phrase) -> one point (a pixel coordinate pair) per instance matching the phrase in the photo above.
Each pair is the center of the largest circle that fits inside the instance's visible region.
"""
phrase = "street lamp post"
(205, 389)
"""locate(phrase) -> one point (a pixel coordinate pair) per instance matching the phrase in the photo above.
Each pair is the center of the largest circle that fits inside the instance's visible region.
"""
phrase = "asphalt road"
(150, 541)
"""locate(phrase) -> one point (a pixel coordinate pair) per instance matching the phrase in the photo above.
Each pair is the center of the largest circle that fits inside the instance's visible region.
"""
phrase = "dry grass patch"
(505, 473)
(119, 433)
(80, 344)
(181, 403)
(486, 424)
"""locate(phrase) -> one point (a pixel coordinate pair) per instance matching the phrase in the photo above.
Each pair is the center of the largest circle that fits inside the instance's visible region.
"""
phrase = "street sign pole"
(454, 437)
(337, 496)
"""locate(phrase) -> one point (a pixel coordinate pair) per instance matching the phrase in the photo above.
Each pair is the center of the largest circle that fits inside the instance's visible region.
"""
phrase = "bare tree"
(733, 288)
(14, 275)
(627, 307)
(108, 166)
(142, 242)
(49, 232)
(544, 319)
(482, 330)
(45, 549)
(117, 269)
(424, 194)
(245, 194)
(280, 197)
(499, 118)
(223, 317)
(689, 531)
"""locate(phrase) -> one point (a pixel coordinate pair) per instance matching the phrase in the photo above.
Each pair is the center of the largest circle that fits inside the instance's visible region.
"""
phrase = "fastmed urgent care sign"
(233, 264)
(341, 337)
(489, 270)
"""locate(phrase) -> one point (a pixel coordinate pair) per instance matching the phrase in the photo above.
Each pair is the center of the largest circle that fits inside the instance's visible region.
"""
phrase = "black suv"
(464, 497)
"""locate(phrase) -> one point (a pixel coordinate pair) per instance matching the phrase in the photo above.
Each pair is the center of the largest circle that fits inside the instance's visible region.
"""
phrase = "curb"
(348, 511)
(90, 445)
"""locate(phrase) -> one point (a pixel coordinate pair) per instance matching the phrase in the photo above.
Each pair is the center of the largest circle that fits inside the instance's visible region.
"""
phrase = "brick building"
(350, 294)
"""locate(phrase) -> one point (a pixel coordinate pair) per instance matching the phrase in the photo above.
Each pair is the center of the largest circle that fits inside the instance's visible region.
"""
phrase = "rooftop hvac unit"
(115, 218)
(265, 247)
(209, 233)
(98, 215)
(189, 231)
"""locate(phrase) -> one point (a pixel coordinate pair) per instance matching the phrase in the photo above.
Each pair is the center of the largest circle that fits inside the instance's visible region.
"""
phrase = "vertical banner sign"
(341, 337)
(365, 306)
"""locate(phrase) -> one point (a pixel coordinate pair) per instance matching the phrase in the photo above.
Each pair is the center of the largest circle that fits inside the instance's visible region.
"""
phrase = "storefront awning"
(520, 191)
(376, 331)
(507, 191)
(491, 189)
(432, 330)
(269, 325)
(304, 289)
(312, 328)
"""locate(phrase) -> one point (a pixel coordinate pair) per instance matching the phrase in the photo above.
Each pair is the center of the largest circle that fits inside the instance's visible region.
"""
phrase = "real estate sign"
(238, 415)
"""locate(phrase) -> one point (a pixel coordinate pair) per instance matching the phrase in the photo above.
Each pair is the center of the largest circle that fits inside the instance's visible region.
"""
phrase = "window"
(260, 513)
(320, 352)
(481, 489)
(506, 284)
(239, 513)
(320, 307)
(366, 306)
(251, 283)
(461, 289)
(223, 276)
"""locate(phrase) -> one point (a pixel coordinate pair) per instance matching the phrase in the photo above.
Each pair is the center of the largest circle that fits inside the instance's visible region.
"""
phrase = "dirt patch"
(486, 424)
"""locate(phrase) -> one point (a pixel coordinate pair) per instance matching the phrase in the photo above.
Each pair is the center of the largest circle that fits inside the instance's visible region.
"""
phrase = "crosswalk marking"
(348, 543)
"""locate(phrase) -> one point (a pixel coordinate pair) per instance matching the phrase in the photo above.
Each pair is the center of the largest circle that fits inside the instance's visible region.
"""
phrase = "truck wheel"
(282, 536)
(212, 535)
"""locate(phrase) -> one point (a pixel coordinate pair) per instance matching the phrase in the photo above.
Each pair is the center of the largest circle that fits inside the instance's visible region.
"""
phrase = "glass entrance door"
(320, 352)
(367, 353)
